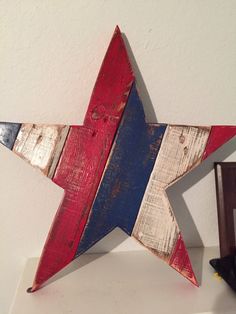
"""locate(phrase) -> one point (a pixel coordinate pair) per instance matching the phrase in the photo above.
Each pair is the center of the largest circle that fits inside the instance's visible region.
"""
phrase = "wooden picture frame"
(225, 175)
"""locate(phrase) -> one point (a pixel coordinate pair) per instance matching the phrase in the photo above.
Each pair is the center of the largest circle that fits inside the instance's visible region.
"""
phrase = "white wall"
(50, 55)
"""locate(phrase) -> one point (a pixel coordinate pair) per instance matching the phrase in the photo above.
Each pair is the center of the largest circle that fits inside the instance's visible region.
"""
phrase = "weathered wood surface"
(112, 87)
(180, 261)
(83, 159)
(41, 145)
(181, 150)
(219, 135)
(126, 175)
(225, 174)
(112, 182)
(8, 133)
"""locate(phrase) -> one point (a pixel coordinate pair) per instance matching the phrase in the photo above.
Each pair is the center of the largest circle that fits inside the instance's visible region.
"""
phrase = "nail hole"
(181, 139)
(98, 112)
(95, 115)
(40, 138)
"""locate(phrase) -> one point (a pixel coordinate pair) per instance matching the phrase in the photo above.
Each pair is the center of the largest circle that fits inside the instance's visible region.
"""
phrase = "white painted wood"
(181, 150)
(41, 145)
(124, 283)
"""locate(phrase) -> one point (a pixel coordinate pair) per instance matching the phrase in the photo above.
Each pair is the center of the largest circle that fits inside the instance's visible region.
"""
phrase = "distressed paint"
(8, 133)
(58, 150)
(180, 261)
(83, 159)
(112, 87)
(181, 150)
(112, 181)
(219, 136)
(126, 175)
(41, 145)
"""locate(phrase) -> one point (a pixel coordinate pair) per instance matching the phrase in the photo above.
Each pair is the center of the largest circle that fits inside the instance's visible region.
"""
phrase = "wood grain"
(180, 261)
(126, 175)
(83, 159)
(110, 183)
(181, 150)
(41, 145)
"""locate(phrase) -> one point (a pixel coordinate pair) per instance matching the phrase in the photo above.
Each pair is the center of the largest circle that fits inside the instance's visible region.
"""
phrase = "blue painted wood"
(125, 179)
(8, 133)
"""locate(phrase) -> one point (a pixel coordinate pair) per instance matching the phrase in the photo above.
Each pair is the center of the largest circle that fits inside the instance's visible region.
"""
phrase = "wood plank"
(181, 150)
(8, 133)
(180, 261)
(78, 173)
(83, 160)
(220, 134)
(41, 145)
(116, 74)
(127, 173)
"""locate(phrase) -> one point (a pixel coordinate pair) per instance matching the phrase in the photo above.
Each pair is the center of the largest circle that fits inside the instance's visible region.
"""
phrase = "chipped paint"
(104, 186)
(84, 157)
(125, 176)
(41, 145)
(181, 150)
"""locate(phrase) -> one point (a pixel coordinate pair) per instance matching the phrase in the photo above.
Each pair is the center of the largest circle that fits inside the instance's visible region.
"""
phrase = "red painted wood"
(117, 75)
(219, 135)
(83, 160)
(180, 261)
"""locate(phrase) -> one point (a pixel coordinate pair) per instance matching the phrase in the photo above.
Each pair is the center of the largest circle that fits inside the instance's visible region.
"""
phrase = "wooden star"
(114, 169)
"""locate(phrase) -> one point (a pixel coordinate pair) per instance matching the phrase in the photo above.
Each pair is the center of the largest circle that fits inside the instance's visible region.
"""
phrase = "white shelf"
(125, 283)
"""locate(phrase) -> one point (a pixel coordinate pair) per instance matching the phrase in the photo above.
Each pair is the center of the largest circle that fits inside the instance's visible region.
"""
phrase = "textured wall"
(49, 58)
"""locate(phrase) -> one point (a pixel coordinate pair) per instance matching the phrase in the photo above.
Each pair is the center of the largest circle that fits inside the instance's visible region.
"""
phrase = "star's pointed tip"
(34, 288)
(197, 284)
(181, 262)
(194, 281)
(117, 30)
